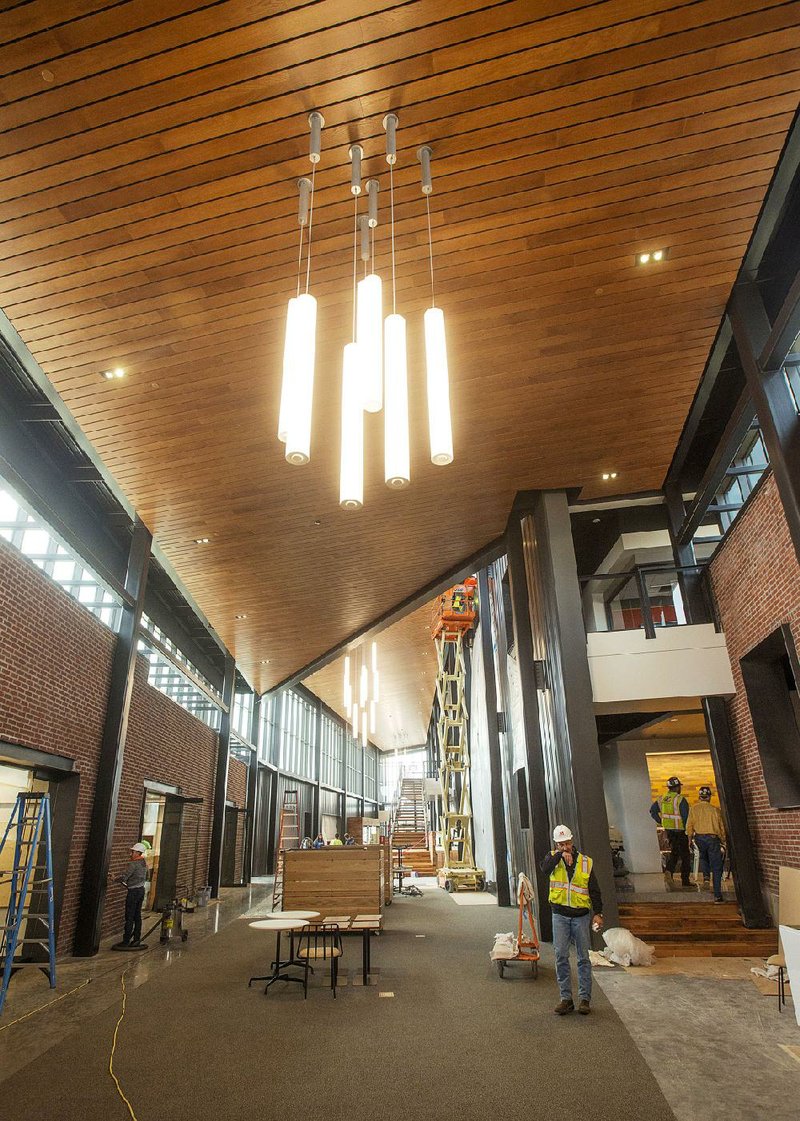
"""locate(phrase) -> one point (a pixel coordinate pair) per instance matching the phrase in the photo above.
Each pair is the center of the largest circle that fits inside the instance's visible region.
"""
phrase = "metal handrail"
(639, 572)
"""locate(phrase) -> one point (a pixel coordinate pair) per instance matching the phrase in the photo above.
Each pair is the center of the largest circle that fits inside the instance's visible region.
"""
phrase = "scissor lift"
(453, 619)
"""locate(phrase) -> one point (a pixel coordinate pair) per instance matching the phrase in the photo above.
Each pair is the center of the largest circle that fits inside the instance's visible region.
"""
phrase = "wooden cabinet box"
(334, 881)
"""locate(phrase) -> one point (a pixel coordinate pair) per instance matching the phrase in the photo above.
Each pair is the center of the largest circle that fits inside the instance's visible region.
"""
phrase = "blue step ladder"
(31, 875)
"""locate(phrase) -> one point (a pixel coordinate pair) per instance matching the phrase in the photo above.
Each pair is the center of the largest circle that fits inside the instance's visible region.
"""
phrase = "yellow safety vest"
(671, 811)
(571, 892)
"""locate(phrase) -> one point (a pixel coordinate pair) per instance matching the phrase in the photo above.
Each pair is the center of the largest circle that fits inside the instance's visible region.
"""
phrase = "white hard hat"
(562, 833)
(139, 847)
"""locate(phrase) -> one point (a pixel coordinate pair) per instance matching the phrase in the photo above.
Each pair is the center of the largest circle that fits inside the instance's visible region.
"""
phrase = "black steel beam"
(97, 861)
(780, 424)
(221, 780)
(784, 330)
(735, 431)
(421, 596)
(704, 390)
(499, 835)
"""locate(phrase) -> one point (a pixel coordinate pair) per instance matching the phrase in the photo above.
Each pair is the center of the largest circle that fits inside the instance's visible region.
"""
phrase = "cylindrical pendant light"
(297, 391)
(351, 479)
(441, 433)
(439, 423)
(364, 687)
(375, 686)
(374, 656)
(372, 718)
(355, 721)
(397, 457)
(369, 332)
(298, 376)
(364, 729)
(397, 463)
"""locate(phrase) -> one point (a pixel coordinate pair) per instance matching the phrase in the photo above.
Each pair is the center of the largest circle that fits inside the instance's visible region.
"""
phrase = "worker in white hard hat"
(577, 907)
(134, 878)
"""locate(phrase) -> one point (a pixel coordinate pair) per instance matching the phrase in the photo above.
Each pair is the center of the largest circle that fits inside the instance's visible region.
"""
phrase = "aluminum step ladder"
(29, 830)
(288, 838)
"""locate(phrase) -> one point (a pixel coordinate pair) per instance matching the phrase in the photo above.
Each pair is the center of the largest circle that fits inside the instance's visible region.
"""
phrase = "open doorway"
(171, 825)
(636, 767)
(26, 770)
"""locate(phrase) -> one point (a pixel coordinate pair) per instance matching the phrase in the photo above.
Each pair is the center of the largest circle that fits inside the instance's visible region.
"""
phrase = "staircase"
(409, 827)
(696, 929)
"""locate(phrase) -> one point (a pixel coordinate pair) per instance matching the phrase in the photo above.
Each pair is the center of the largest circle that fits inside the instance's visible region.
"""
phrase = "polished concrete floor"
(717, 1047)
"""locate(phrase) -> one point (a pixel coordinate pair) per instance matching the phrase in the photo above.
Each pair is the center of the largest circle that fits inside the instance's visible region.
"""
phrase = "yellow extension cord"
(63, 996)
(114, 1044)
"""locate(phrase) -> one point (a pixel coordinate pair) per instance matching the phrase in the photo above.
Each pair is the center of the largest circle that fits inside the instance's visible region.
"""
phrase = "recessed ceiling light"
(644, 258)
(609, 475)
(110, 375)
(595, 521)
(265, 661)
(650, 257)
(202, 540)
(240, 616)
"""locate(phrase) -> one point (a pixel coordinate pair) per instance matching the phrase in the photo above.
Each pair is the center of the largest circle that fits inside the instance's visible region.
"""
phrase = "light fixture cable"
(311, 223)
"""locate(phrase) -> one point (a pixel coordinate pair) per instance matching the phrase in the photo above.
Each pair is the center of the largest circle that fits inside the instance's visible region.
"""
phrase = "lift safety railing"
(647, 597)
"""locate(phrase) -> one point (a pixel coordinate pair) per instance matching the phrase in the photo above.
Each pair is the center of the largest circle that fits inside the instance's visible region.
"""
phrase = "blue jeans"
(566, 931)
(709, 847)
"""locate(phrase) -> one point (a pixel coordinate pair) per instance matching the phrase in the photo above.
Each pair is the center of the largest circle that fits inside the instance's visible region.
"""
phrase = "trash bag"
(505, 947)
(625, 948)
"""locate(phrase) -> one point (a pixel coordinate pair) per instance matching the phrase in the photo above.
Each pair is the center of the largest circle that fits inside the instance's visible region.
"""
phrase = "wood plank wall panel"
(148, 161)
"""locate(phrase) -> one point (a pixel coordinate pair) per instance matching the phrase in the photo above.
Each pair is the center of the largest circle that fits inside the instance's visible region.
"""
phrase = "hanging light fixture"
(347, 694)
(369, 317)
(351, 473)
(375, 362)
(439, 422)
(297, 389)
(397, 469)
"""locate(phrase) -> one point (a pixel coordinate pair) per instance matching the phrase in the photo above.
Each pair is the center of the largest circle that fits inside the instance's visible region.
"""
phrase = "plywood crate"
(334, 881)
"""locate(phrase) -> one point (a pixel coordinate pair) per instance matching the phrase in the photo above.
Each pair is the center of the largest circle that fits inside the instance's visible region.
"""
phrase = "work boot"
(669, 883)
(120, 946)
(718, 899)
(706, 883)
(583, 1008)
(563, 1007)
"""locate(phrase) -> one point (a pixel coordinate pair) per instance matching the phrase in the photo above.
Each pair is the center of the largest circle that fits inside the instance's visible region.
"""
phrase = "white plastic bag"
(505, 947)
(625, 948)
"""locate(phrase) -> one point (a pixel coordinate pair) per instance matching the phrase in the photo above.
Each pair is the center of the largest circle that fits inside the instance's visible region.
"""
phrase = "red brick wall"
(55, 660)
(756, 581)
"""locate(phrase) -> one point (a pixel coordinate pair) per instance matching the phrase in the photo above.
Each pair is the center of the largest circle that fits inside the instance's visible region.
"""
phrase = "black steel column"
(112, 750)
(570, 685)
(252, 789)
(221, 778)
(315, 804)
(537, 791)
(499, 838)
(775, 408)
(695, 603)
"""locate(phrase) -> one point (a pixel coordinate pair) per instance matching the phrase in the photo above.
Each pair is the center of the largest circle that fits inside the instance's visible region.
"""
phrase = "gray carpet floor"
(454, 1039)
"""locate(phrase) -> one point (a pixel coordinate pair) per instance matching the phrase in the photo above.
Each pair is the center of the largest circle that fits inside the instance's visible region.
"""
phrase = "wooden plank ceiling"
(407, 669)
(148, 158)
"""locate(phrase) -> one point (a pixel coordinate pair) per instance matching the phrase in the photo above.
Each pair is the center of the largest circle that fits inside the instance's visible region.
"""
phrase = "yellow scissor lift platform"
(454, 618)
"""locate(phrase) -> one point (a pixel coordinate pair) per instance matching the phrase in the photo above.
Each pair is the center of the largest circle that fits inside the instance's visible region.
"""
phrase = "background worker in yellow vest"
(704, 826)
(670, 811)
(577, 906)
